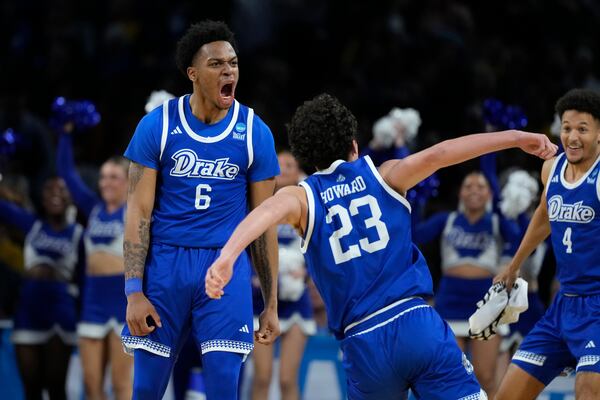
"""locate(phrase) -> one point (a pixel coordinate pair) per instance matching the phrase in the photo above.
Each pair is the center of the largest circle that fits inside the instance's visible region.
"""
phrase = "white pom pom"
(156, 98)
(291, 279)
(384, 131)
(409, 118)
(518, 193)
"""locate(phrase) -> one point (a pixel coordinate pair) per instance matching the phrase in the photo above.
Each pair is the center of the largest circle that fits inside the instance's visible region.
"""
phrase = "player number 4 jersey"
(573, 211)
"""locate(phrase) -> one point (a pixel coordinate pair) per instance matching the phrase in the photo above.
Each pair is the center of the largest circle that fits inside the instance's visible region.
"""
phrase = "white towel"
(498, 307)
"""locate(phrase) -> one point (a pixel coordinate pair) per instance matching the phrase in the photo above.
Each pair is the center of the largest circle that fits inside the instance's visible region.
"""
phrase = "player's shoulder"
(548, 166)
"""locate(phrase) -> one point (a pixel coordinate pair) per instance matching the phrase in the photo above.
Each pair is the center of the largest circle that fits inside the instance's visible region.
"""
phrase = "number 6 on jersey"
(374, 221)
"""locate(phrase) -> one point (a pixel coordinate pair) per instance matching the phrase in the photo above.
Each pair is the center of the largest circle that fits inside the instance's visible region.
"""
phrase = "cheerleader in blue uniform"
(104, 303)
(472, 244)
(294, 307)
(44, 323)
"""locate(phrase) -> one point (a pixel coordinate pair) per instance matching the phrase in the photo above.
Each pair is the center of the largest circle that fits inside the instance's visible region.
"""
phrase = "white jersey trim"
(387, 187)
(310, 225)
(249, 137)
(395, 317)
(577, 183)
(204, 139)
(130, 343)
(381, 310)
(165, 128)
(551, 174)
(331, 168)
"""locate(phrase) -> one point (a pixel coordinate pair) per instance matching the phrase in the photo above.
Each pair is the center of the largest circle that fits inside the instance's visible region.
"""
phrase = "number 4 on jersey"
(567, 241)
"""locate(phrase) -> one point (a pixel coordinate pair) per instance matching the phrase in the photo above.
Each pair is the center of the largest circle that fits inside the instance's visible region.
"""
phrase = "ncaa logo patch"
(240, 127)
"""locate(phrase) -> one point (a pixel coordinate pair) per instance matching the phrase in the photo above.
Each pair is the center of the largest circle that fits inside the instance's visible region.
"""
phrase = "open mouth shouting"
(226, 94)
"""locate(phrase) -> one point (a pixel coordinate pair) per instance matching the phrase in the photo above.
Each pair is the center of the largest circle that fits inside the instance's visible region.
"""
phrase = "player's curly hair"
(198, 35)
(582, 100)
(321, 131)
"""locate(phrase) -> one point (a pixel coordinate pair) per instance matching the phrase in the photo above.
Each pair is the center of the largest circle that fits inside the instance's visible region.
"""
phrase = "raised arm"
(537, 231)
(140, 202)
(16, 216)
(84, 198)
(287, 206)
(406, 173)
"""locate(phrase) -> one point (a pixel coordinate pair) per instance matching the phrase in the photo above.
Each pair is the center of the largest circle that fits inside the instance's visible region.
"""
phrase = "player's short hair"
(198, 35)
(582, 100)
(321, 131)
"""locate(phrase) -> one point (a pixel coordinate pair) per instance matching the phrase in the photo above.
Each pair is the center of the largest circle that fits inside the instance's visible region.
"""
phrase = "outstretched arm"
(285, 207)
(16, 216)
(406, 173)
(84, 198)
(537, 231)
(140, 202)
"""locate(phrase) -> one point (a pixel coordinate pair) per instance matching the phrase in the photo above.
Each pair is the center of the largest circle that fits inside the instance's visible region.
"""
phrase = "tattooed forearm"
(135, 253)
(135, 175)
(258, 249)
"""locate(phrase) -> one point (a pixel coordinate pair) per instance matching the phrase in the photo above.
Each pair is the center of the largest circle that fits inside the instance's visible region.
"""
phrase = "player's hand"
(268, 327)
(218, 275)
(508, 276)
(140, 314)
(536, 144)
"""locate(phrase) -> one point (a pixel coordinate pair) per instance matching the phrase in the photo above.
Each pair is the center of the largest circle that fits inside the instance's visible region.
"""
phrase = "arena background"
(442, 58)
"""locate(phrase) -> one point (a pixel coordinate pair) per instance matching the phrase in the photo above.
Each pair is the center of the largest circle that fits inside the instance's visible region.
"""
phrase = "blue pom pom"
(424, 190)
(81, 113)
(501, 116)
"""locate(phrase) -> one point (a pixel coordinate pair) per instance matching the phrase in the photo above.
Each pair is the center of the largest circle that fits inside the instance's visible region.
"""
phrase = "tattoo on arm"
(258, 250)
(135, 253)
(135, 175)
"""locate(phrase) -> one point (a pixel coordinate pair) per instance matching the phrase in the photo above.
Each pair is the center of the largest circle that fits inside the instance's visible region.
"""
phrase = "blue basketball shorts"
(45, 308)
(408, 346)
(174, 284)
(104, 306)
(567, 336)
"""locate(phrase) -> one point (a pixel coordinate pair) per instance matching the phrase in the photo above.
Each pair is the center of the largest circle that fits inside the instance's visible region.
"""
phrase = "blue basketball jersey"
(358, 246)
(57, 249)
(573, 210)
(203, 170)
(478, 244)
(105, 230)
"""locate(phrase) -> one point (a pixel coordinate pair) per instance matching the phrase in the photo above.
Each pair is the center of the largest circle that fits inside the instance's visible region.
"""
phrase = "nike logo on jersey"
(590, 345)
(176, 131)
(187, 163)
(244, 329)
(563, 212)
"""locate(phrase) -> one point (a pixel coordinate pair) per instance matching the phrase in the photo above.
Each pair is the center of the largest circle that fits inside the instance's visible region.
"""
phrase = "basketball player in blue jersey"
(355, 224)
(44, 326)
(199, 162)
(567, 336)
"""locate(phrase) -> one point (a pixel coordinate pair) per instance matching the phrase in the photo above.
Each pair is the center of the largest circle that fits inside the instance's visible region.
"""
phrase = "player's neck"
(205, 110)
(57, 222)
(576, 171)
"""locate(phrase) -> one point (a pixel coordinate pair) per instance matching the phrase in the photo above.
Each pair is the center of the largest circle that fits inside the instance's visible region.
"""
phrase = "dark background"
(440, 57)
